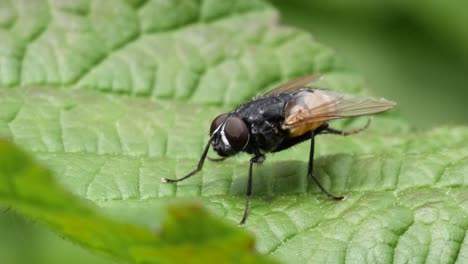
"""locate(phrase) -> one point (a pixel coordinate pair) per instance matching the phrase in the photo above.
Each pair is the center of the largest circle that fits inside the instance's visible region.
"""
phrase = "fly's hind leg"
(329, 130)
(311, 171)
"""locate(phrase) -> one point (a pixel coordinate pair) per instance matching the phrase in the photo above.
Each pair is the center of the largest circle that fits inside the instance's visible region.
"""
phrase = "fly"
(281, 118)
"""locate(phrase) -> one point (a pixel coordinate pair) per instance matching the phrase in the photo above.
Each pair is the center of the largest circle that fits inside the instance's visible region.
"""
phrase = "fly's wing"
(319, 106)
(293, 85)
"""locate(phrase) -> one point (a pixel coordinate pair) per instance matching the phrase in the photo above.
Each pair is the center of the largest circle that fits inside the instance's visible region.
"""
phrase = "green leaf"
(114, 95)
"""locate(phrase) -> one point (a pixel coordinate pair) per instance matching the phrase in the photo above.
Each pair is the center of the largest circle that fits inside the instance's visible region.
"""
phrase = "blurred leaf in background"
(415, 52)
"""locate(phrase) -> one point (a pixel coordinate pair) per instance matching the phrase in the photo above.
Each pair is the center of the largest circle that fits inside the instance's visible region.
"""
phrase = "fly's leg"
(311, 170)
(329, 130)
(259, 158)
(199, 167)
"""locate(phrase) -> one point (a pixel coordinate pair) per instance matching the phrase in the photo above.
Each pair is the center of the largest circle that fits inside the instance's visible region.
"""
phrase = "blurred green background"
(413, 52)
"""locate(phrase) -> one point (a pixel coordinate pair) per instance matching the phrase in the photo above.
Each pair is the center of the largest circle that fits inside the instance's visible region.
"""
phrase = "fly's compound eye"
(217, 122)
(236, 133)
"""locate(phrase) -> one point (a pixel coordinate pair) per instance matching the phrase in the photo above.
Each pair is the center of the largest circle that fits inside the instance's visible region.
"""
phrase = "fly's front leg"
(311, 170)
(259, 158)
(199, 166)
(329, 130)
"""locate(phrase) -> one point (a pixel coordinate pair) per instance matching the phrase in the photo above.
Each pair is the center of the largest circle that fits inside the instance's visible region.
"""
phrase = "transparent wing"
(293, 85)
(320, 106)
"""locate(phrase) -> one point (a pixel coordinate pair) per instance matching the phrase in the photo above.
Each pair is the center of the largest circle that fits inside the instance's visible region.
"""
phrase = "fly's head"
(229, 135)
